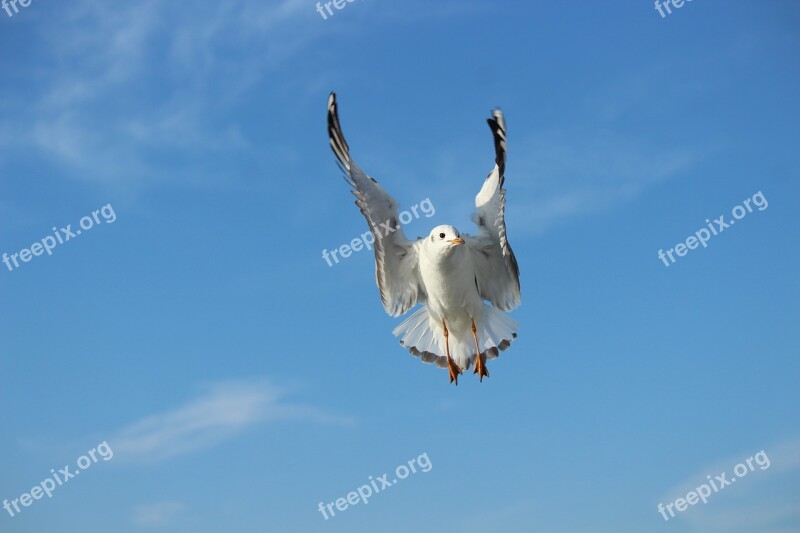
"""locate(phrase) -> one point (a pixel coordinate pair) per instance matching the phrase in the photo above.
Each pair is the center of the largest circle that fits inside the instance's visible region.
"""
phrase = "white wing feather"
(396, 257)
(497, 272)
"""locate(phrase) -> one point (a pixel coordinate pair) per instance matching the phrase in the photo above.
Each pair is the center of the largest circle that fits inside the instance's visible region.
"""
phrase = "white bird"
(450, 273)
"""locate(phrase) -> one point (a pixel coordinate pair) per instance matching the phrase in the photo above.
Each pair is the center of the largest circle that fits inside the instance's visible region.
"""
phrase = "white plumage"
(449, 273)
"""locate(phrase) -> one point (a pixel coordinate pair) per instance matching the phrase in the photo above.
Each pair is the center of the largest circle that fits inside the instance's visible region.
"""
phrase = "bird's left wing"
(497, 272)
(396, 257)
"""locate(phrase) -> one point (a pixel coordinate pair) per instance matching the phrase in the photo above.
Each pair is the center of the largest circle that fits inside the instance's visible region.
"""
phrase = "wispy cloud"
(223, 411)
(157, 514)
(141, 93)
(763, 500)
(591, 164)
(580, 172)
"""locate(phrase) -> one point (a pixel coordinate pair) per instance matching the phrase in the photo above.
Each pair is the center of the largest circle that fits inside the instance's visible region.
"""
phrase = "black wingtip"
(337, 141)
(332, 103)
(497, 124)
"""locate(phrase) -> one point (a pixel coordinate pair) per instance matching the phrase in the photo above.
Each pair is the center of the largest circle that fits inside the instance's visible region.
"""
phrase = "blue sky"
(240, 380)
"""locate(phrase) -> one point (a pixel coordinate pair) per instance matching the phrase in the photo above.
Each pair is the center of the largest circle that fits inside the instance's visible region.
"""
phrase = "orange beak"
(456, 241)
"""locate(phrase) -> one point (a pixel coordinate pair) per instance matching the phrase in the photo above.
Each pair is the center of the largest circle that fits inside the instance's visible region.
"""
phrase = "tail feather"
(418, 335)
(419, 338)
(424, 338)
(501, 332)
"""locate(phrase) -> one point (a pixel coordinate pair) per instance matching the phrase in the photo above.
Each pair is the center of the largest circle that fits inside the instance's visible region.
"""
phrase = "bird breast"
(450, 285)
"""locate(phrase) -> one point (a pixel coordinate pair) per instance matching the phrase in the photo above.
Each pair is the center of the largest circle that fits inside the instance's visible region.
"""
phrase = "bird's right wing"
(396, 257)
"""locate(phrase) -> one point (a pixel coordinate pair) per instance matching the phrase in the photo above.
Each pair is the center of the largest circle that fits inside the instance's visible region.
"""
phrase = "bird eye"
(441, 235)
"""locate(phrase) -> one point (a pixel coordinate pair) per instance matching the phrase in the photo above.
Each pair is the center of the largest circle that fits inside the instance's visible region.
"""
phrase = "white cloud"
(222, 412)
(762, 500)
(577, 173)
(132, 87)
(158, 514)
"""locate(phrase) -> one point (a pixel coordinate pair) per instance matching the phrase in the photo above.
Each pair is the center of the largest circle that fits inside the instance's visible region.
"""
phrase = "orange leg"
(480, 363)
(451, 365)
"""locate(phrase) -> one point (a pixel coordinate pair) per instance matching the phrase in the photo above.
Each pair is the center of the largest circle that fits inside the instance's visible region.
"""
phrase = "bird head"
(445, 240)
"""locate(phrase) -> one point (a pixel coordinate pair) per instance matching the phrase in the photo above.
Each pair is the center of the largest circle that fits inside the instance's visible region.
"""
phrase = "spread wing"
(396, 257)
(497, 272)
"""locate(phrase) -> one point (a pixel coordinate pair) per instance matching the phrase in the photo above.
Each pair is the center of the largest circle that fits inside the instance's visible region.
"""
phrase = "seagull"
(451, 274)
